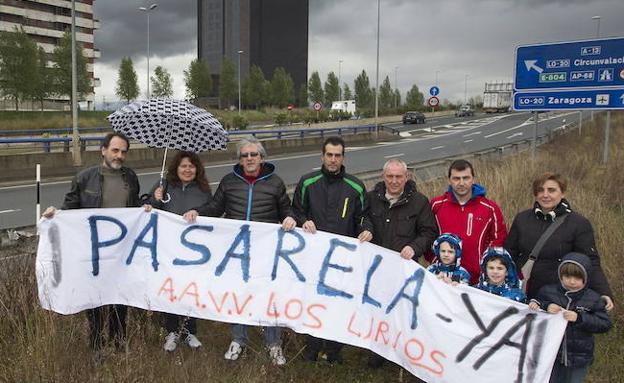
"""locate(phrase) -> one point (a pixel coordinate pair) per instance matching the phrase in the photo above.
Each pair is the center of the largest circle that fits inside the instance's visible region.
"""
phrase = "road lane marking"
(472, 134)
(395, 155)
(515, 135)
(437, 147)
(504, 131)
(10, 211)
(467, 141)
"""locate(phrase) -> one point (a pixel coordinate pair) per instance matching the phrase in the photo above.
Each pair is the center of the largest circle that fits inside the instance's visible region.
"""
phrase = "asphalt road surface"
(437, 139)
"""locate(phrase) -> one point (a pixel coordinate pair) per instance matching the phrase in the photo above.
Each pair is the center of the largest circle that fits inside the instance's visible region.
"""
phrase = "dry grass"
(39, 346)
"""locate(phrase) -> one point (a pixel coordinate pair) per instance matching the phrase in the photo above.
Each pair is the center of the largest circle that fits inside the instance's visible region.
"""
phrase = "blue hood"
(454, 241)
(581, 260)
(512, 279)
(477, 191)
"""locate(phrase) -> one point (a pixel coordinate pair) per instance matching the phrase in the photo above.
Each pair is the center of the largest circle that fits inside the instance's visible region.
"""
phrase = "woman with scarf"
(574, 234)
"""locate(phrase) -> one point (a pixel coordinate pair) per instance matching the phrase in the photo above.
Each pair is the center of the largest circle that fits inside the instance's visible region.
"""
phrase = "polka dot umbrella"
(170, 124)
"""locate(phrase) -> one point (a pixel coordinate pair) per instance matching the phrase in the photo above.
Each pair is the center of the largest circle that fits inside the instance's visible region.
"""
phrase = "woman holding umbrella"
(185, 187)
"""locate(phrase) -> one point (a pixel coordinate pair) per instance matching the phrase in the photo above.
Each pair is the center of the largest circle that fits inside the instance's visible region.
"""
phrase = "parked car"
(464, 111)
(413, 118)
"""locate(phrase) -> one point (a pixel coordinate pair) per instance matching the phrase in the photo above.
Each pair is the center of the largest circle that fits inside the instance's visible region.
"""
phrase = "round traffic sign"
(622, 74)
(433, 101)
(434, 91)
(317, 106)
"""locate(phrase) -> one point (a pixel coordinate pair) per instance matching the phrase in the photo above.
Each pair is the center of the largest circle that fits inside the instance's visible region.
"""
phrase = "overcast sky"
(418, 37)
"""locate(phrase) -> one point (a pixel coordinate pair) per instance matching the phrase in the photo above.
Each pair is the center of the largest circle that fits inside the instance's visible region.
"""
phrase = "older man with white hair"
(401, 218)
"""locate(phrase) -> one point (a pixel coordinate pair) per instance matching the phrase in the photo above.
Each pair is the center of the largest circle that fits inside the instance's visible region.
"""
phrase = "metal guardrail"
(52, 131)
(278, 134)
(47, 142)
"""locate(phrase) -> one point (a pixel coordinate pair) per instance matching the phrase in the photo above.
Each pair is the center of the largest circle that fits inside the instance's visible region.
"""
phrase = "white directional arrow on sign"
(622, 98)
(530, 64)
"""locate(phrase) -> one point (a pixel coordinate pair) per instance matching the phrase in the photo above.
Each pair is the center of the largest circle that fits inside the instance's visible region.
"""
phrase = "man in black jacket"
(334, 201)
(107, 185)
(401, 218)
(251, 192)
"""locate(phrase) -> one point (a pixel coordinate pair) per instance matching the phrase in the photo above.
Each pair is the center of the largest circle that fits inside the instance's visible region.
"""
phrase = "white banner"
(322, 284)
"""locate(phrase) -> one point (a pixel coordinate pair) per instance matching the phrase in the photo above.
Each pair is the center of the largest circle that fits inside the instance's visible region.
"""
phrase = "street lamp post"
(597, 18)
(239, 82)
(76, 155)
(147, 11)
(377, 69)
(465, 89)
(396, 68)
(339, 83)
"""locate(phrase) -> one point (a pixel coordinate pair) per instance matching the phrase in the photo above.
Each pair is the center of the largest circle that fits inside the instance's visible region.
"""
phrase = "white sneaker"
(171, 341)
(234, 351)
(192, 341)
(276, 355)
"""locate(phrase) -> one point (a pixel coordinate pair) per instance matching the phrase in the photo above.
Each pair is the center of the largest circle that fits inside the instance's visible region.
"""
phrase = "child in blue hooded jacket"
(583, 308)
(499, 276)
(447, 265)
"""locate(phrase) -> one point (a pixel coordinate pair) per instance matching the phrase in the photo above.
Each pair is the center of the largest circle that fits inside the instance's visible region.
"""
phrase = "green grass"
(40, 346)
(11, 120)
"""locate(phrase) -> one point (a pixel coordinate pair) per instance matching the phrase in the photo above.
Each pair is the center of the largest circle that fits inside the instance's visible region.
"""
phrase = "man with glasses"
(334, 201)
(251, 192)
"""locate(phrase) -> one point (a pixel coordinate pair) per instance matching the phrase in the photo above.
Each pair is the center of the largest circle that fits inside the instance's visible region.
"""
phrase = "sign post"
(576, 75)
(434, 91)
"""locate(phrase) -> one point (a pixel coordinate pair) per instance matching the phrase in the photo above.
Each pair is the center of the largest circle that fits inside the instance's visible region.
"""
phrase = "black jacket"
(336, 203)
(574, 235)
(577, 348)
(86, 189)
(182, 198)
(408, 222)
(263, 201)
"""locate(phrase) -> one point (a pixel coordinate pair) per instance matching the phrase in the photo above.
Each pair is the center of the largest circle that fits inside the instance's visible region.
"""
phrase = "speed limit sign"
(317, 106)
(433, 101)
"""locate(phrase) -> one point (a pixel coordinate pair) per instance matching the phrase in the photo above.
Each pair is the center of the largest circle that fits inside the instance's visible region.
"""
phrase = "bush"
(239, 122)
(280, 118)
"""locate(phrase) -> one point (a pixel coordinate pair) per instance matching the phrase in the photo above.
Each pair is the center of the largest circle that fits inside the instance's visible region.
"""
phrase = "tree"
(414, 99)
(302, 96)
(18, 64)
(332, 88)
(386, 94)
(315, 89)
(62, 74)
(197, 79)
(228, 87)
(396, 98)
(127, 87)
(42, 87)
(161, 83)
(363, 92)
(346, 92)
(282, 92)
(255, 87)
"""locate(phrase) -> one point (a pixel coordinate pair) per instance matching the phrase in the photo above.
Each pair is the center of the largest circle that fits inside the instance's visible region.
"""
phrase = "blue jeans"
(271, 335)
(563, 374)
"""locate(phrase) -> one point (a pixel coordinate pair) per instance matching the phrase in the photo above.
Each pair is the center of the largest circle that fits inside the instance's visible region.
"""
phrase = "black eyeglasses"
(249, 154)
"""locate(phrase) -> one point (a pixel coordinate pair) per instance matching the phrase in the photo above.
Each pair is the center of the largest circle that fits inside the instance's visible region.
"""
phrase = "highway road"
(437, 139)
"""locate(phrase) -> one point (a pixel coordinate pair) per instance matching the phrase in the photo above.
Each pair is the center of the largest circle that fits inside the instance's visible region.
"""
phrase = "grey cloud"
(173, 28)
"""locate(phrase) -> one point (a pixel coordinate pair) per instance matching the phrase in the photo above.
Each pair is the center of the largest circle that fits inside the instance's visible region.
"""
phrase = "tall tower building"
(45, 21)
(270, 33)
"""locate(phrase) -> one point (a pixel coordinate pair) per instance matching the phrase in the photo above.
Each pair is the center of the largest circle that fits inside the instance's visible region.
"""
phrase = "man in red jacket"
(464, 211)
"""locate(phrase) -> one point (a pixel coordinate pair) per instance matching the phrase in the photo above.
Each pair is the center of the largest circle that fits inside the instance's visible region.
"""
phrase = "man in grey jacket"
(107, 185)
(251, 192)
